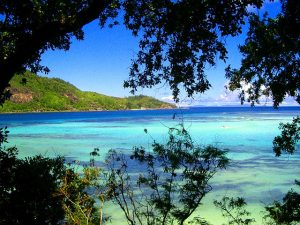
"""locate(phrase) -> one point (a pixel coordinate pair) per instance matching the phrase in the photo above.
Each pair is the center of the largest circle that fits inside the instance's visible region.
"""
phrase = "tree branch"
(35, 43)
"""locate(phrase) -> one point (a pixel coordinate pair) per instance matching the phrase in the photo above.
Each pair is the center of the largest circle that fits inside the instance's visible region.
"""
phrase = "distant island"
(33, 93)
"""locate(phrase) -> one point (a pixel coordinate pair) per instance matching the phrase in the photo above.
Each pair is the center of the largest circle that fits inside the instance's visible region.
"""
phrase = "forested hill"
(40, 94)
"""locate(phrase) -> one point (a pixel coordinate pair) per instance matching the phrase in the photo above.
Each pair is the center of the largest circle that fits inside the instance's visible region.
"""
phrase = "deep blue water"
(48, 117)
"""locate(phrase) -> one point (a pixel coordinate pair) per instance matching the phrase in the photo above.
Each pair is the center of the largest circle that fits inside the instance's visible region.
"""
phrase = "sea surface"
(254, 173)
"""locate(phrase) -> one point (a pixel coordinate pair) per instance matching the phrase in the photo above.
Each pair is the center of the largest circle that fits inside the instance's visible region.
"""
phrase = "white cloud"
(225, 98)
(168, 98)
(289, 101)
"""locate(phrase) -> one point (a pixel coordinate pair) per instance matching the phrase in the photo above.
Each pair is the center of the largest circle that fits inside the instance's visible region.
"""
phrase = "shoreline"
(70, 111)
(143, 109)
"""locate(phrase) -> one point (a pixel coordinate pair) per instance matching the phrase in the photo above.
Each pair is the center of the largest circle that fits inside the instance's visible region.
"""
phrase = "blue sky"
(101, 63)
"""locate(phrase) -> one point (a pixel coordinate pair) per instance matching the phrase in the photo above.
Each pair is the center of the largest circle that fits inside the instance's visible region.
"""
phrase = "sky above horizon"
(101, 62)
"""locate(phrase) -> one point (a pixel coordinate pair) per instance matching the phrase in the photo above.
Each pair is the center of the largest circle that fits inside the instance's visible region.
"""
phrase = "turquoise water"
(255, 173)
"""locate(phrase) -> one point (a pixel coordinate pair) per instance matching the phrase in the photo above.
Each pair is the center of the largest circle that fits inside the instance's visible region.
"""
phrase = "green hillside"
(41, 94)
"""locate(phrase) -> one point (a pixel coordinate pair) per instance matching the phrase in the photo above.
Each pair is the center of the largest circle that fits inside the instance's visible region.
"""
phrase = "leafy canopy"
(29, 187)
(271, 59)
(178, 39)
(234, 210)
(287, 140)
(286, 212)
(172, 180)
(39, 190)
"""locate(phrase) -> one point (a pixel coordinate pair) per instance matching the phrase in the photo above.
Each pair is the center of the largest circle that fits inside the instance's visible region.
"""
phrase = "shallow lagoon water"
(255, 173)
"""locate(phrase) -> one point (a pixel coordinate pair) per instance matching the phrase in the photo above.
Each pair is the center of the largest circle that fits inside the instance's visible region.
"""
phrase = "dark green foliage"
(3, 135)
(29, 188)
(178, 39)
(287, 140)
(271, 61)
(41, 190)
(173, 178)
(80, 190)
(84, 192)
(4, 95)
(234, 210)
(286, 212)
(29, 28)
(198, 221)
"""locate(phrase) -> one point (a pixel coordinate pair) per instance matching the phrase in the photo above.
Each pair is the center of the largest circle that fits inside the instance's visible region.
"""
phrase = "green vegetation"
(171, 182)
(28, 187)
(40, 190)
(81, 187)
(287, 140)
(33, 93)
(270, 57)
(177, 39)
(285, 212)
(234, 210)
